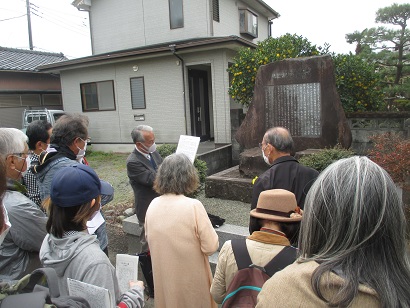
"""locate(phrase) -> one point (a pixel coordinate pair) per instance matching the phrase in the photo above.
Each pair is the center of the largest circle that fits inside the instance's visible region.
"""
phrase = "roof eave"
(123, 55)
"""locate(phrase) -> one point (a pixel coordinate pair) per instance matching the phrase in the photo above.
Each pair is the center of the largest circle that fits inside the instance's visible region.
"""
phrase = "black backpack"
(38, 290)
(248, 281)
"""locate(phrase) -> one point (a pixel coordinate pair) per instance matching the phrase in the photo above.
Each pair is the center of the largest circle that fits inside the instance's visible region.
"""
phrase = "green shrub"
(202, 168)
(325, 157)
(358, 83)
(167, 149)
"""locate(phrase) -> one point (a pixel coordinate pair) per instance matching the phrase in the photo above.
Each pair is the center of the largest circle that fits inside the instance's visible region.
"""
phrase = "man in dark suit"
(285, 171)
(142, 165)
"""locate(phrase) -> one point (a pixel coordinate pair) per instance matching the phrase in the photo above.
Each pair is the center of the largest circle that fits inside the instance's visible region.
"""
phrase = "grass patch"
(111, 167)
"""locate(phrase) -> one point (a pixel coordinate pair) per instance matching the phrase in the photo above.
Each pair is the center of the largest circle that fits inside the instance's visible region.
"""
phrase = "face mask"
(47, 149)
(151, 149)
(28, 163)
(265, 158)
(81, 152)
(6, 227)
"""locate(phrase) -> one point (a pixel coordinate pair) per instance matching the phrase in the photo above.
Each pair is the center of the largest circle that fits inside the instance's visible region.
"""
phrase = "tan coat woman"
(180, 237)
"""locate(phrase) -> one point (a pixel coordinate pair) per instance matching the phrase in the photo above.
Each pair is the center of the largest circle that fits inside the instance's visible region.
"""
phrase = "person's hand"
(133, 284)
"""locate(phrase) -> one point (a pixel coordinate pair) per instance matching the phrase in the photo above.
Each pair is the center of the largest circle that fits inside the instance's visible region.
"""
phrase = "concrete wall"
(218, 159)
(366, 125)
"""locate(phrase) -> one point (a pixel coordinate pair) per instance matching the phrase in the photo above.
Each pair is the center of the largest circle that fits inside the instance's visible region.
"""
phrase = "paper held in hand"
(188, 145)
(126, 267)
(97, 297)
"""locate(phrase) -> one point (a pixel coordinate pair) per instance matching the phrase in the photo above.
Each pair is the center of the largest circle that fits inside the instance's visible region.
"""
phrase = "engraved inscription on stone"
(302, 73)
(296, 107)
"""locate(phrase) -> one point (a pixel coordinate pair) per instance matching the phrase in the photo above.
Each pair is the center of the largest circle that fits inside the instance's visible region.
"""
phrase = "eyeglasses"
(19, 155)
(88, 140)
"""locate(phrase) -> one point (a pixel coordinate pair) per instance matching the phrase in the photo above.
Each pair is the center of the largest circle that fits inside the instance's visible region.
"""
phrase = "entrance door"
(199, 103)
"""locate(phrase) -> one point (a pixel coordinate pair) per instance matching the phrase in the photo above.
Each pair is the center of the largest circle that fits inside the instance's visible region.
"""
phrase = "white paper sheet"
(94, 223)
(126, 267)
(97, 297)
(188, 145)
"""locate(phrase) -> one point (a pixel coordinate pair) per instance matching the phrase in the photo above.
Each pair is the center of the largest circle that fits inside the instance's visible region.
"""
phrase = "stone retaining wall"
(364, 125)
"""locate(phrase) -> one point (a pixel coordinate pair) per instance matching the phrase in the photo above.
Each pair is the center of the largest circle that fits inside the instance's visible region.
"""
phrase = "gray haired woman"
(19, 250)
(180, 237)
(352, 244)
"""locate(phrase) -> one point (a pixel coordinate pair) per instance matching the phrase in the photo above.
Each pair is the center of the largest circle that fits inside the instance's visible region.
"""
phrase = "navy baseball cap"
(77, 184)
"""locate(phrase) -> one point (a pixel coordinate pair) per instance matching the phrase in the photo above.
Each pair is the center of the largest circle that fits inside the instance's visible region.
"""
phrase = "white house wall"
(157, 27)
(116, 25)
(163, 94)
(229, 21)
(124, 24)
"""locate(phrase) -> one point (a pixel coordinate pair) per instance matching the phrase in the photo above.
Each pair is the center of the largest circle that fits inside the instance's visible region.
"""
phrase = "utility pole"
(30, 39)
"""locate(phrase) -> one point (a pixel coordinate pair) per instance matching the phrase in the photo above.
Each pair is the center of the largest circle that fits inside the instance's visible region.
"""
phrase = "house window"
(215, 10)
(176, 14)
(137, 93)
(248, 23)
(96, 96)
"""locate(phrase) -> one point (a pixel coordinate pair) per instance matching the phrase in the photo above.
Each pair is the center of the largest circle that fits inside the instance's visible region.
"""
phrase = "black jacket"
(142, 174)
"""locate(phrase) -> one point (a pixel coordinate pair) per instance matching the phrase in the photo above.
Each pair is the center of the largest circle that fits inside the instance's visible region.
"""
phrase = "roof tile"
(12, 59)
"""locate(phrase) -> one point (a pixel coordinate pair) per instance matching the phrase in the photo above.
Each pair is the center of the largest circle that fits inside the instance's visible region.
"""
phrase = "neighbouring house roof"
(12, 59)
(231, 42)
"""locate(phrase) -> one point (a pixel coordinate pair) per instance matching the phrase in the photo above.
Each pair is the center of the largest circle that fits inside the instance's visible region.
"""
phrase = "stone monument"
(298, 94)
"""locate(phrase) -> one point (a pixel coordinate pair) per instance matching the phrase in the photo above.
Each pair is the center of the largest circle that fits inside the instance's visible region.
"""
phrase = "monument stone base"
(229, 185)
(236, 183)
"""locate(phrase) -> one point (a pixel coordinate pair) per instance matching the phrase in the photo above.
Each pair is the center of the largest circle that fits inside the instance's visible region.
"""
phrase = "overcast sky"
(57, 26)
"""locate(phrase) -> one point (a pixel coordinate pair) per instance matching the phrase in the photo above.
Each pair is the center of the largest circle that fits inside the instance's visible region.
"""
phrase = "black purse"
(216, 221)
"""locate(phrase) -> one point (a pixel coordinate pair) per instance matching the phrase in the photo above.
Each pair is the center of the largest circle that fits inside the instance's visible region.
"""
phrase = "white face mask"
(265, 158)
(81, 152)
(28, 163)
(151, 149)
(47, 149)
(7, 226)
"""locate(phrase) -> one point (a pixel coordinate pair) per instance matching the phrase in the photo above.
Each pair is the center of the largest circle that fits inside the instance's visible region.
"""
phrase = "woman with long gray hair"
(352, 244)
(180, 238)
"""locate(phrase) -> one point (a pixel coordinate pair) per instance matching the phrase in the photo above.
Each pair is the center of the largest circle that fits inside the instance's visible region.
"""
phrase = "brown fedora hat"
(277, 205)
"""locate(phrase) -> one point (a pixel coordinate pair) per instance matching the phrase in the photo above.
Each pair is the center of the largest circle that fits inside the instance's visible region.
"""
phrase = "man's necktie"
(151, 159)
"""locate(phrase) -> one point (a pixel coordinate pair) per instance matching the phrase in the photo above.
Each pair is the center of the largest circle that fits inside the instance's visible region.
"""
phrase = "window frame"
(143, 89)
(84, 100)
(245, 30)
(215, 11)
(171, 10)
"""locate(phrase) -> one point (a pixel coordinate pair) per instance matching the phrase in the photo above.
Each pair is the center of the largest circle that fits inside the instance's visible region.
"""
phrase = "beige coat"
(291, 287)
(262, 248)
(181, 237)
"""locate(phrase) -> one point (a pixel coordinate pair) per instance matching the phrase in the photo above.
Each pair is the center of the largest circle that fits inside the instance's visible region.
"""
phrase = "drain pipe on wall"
(173, 50)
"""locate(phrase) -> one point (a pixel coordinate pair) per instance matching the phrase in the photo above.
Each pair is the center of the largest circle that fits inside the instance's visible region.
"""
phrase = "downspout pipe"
(173, 50)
